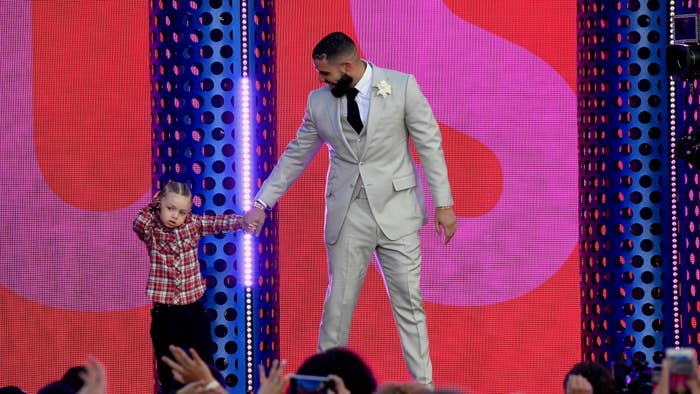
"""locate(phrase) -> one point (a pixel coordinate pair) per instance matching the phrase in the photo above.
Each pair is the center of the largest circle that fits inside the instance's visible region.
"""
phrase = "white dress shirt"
(364, 86)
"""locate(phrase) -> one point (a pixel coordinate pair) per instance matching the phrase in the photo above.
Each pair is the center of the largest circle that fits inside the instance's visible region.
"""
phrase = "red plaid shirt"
(175, 277)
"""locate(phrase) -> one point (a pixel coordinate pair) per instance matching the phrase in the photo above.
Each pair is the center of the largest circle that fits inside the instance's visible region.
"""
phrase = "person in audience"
(345, 367)
(92, 376)
(72, 377)
(56, 388)
(338, 364)
(11, 390)
(589, 377)
(577, 384)
(171, 234)
(403, 388)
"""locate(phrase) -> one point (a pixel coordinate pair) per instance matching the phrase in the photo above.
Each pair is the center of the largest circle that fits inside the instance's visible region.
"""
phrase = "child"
(171, 233)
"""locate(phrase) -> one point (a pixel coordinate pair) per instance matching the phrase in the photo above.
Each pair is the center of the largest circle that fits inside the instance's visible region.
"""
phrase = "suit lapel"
(376, 104)
(334, 114)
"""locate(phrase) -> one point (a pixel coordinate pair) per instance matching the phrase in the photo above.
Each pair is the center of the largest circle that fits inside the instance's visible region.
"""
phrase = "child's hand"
(155, 201)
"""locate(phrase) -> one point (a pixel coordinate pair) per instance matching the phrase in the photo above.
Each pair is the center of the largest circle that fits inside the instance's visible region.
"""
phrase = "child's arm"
(215, 224)
(144, 222)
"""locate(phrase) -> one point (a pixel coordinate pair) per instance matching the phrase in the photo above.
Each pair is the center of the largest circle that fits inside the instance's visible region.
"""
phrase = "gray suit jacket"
(385, 167)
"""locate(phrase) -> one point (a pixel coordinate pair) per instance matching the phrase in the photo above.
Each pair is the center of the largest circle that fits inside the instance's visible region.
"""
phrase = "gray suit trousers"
(400, 262)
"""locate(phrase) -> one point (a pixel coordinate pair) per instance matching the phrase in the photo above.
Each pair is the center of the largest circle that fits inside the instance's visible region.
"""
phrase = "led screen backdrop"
(502, 298)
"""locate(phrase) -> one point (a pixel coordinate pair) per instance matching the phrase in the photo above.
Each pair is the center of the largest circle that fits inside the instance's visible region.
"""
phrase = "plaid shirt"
(174, 277)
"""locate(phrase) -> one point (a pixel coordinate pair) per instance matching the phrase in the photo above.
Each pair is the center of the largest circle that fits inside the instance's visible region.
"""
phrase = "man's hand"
(253, 220)
(445, 221)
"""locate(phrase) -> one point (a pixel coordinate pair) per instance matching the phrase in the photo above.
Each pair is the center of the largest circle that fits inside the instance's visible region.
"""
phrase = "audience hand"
(577, 384)
(188, 369)
(339, 385)
(272, 383)
(664, 386)
(94, 378)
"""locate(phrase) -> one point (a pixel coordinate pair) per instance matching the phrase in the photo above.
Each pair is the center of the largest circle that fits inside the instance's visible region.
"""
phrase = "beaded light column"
(684, 272)
(214, 127)
(263, 290)
(625, 207)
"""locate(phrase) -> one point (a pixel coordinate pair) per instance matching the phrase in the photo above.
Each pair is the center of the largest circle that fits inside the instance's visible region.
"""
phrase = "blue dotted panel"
(263, 71)
(688, 208)
(624, 176)
(195, 76)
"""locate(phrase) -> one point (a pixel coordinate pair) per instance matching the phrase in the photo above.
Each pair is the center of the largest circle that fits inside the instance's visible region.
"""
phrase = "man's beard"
(342, 86)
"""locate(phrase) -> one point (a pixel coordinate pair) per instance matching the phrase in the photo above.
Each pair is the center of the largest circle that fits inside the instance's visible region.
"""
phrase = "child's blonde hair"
(177, 188)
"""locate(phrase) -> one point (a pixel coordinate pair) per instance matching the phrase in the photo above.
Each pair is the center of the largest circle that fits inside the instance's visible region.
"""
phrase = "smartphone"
(682, 362)
(308, 384)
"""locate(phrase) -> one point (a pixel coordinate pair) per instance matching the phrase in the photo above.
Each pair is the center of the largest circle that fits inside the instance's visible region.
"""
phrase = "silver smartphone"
(309, 384)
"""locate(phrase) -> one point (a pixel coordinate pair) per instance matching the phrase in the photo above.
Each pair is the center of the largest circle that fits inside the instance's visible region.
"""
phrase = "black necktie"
(353, 110)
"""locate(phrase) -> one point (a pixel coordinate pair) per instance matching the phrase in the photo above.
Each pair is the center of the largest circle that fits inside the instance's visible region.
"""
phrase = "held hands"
(445, 222)
(253, 220)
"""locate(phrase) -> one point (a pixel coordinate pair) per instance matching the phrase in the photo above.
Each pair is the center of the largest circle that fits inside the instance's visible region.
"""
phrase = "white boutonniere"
(383, 88)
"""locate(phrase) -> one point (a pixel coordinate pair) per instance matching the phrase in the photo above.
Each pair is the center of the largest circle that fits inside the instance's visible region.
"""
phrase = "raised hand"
(93, 378)
(272, 383)
(188, 369)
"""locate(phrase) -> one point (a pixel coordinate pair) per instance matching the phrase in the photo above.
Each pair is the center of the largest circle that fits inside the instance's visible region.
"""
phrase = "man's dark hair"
(334, 47)
(356, 375)
(597, 375)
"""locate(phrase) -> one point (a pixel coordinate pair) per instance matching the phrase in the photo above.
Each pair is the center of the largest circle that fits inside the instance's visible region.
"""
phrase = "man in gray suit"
(374, 200)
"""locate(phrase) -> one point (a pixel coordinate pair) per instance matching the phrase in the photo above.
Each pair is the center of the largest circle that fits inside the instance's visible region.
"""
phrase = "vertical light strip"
(246, 148)
(674, 191)
(248, 258)
(245, 135)
(246, 199)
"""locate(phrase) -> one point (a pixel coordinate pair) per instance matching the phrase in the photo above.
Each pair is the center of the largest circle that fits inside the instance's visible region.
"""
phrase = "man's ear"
(346, 67)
